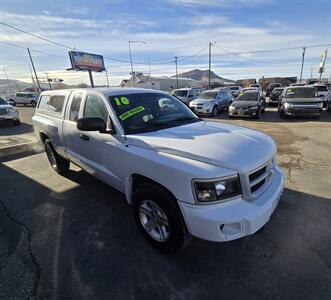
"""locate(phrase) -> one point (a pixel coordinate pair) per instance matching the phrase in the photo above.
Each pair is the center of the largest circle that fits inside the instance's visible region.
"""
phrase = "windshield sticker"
(123, 100)
(131, 112)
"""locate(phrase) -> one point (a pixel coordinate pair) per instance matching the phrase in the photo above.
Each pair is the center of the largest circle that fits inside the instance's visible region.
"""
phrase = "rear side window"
(52, 104)
(94, 107)
(75, 106)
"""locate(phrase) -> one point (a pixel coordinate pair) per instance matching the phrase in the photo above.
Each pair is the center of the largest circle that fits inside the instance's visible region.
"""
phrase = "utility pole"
(48, 80)
(34, 70)
(302, 62)
(133, 75)
(107, 77)
(7, 80)
(91, 78)
(176, 62)
(33, 83)
(209, 66)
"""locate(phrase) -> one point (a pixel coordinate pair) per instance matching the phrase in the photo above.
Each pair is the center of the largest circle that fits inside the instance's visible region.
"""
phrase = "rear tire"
(175, 235)
(258, 114)
(281, 114)
(58, 163)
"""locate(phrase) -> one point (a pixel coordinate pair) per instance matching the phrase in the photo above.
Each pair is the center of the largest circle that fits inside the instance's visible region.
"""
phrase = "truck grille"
(260, 177)
(3, 111)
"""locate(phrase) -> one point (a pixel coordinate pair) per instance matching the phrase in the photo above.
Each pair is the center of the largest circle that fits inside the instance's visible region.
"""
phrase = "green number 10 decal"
(123, 100)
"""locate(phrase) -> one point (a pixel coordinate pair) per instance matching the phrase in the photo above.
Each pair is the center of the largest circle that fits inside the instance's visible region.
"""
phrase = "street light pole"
(132, 73)
(302, 62)
(34, 70)
(48, 80)
(209, 69)
(176, 59)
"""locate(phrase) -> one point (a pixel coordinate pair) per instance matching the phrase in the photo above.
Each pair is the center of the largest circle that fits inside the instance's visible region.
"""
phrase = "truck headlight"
(220, 190)
(254, 107)
(287, 105)
(231, 107)
(11, 110)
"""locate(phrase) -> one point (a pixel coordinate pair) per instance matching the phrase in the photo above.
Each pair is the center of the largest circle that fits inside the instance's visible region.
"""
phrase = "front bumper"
(201, 110)
(12, 117)
(303, 110)
(236, 218)
(242, 113)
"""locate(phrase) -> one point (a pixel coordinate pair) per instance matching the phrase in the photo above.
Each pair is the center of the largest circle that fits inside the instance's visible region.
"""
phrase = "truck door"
(91, 149)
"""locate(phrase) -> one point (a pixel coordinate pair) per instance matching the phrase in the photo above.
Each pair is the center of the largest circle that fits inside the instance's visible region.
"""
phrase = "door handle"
(84, 137)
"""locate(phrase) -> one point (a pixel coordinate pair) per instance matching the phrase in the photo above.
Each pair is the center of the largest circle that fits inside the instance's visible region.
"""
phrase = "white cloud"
(223, 3)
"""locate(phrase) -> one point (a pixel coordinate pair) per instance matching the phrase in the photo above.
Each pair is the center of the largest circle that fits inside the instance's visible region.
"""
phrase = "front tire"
(58, 163)
(16, 122)
(33, 103)
(159, 218)
(214, 112)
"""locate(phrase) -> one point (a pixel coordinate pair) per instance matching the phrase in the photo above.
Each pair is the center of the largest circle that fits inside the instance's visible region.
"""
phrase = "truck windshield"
(180, 93)
(300, 93)
(321, 88)
(208, 95)
(248, 97)
(144, 112)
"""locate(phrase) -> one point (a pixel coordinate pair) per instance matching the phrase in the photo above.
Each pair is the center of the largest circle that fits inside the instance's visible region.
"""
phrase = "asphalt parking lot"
(74, 237)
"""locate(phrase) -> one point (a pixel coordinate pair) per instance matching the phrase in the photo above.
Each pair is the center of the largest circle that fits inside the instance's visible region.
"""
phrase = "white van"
(186, 95)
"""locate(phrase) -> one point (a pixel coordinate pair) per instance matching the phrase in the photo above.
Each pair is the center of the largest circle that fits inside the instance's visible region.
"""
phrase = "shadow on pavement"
(87, 246)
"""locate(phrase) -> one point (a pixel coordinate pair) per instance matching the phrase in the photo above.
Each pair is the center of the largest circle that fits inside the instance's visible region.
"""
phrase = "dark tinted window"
(248, 97)
(321, 88)
(2, 101)
(300, 92)
(74, 108)
(52, 103)
(94, 107)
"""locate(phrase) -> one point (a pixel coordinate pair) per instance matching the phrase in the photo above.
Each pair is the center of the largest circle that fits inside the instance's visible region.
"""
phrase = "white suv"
(182, 175)
(26, 98)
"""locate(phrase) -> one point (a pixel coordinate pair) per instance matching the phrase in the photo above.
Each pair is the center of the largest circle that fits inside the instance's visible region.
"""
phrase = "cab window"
(74, 108)
(94, 107)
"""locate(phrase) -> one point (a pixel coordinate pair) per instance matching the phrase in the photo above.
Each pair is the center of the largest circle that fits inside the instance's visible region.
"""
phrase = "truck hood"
(5, 106)
(201, 101)
(219, 144)
(244, 104)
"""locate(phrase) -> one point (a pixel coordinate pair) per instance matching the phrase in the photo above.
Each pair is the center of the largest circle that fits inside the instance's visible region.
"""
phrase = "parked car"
(249, 104)
(186, 95)
(8, 113)
(274, 96)
(235, 90)
(211, 102)
(271, 87)
(25, 98)
(244, 90)
(300, 100)
(182, 175)
(323, 92)
(255, 85)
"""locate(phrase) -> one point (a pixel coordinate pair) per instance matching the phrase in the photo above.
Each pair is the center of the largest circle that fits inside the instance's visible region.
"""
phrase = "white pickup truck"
(183, 176)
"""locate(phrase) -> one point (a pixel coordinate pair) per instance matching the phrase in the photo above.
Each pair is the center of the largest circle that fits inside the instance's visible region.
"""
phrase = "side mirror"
(91, 124)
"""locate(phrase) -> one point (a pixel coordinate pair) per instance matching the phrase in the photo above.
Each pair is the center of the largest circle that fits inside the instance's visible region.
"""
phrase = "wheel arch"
(137, 179)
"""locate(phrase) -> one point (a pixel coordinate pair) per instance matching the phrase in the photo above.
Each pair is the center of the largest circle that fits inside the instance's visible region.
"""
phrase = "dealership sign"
(86, 61)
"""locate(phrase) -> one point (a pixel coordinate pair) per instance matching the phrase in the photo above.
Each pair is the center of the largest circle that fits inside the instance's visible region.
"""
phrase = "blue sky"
(169, 28)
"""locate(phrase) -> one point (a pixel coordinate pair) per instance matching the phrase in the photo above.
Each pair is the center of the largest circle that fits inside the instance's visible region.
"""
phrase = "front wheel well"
(137, 179)
(43, 137)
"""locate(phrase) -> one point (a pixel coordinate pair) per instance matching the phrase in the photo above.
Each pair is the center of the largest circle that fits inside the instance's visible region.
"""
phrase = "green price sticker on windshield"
(121, 101)
(131, 112)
